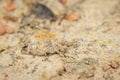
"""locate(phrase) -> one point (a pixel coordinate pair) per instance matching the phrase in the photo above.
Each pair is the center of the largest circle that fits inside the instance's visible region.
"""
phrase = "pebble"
(5, 29)
(10, 18)
(63, 1)
(42, 11)
(2, 29)
(9, 30)
(11, 6)
(72, 17)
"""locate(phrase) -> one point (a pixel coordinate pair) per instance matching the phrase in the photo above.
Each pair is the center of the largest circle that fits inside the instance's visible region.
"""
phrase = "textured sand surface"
(86, 49)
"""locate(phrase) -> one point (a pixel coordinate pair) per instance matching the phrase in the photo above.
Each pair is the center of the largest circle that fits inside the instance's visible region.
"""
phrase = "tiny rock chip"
(42, 11)
(20, 58)
(2, 29)
(63, 1)
(9, 30)
(72, 17)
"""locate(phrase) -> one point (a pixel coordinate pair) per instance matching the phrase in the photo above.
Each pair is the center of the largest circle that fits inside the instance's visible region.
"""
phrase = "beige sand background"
(86, 49)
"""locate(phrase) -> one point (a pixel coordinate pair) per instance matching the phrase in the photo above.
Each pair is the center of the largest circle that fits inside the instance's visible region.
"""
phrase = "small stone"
(20, 58)
(63, 1)
(10, 18)
(72, 17)
(11, 6)
(43, 12)
(9, 30)
(2, 29)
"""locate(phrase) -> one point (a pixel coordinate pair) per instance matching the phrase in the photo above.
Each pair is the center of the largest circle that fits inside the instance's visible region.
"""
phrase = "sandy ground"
(41, 49)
